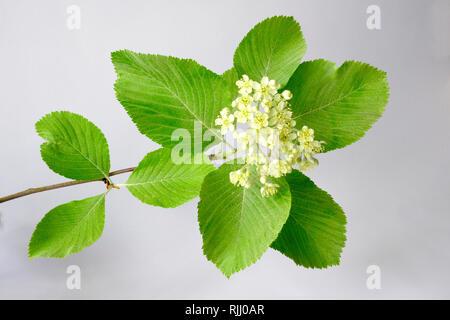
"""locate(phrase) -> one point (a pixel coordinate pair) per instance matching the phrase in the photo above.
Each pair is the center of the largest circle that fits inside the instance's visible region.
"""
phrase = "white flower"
(266, 104)
(269, 189)
(245, 138)
(306, 135)
(256, 157)
(224, 112)
(269, 141)
(244, 101)
(240, 178)
(260, 120)
(307, 165)
(267, 138)
(244, 113)
(226, 121)
(264, 89)
(245, 85)
(286, 94)
(281, 105)
(309, 146)
(277, 98)
(279, 168)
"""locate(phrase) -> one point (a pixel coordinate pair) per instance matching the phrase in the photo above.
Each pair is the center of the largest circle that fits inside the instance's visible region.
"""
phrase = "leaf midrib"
(173, 178)
(237, 234)
(163, 84)
(89, 160)
(68, 142)
(102, 196)
(319, 108)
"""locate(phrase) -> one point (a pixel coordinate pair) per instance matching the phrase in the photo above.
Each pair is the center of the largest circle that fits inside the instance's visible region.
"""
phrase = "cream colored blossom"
(240, 178)
(226, 121)
(269, 189)
(306, 135)
(245, 85)
(264, 89)
(245, 109)
(260, 120)
(270, 143)
(267, 137)
(286, 94)
(245, 138)
(307, 165)
(244, 101)
(266, 104)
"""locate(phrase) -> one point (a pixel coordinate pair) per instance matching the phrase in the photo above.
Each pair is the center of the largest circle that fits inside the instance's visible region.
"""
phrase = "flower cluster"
(261, 123)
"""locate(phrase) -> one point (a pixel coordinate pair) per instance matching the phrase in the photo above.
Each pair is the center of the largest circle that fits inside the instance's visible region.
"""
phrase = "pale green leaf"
(314, 233)
(75, 147)
(340, 104)
(162, 94)
(69, 228)
(273, 48)
(159, 181)
(231, 76)
(238, 224)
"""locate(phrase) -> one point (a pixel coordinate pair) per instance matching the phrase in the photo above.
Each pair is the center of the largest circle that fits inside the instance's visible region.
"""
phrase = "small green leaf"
(69, 228)
(339, 104)
(158, 181)
(314, 233)
(273, 48)
(238, 224)
(162, 94)
(76, 148)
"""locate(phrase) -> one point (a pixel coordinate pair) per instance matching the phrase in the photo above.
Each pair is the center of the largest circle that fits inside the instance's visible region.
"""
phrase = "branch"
(60, 185)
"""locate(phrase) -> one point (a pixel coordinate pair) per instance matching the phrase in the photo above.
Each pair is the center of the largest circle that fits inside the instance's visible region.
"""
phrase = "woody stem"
(60, 185)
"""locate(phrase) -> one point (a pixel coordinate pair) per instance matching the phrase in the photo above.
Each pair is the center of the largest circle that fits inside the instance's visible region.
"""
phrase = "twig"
(60, 185)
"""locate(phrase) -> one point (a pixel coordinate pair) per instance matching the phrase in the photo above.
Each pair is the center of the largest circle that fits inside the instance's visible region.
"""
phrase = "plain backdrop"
(393, 184)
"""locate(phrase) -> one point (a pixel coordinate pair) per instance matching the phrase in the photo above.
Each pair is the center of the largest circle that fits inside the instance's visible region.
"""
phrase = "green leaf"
(231, 76)
(314, 233)
(162, 94)
(159, 181)
(273, 48)
(76, 148)
(339, 104)
(237, 224)
(69, 228)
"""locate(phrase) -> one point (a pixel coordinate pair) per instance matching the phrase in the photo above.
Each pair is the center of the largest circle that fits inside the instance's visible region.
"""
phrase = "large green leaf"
(238, 224)
(339, 104)
(314, 233)
(76, 148)
(162, 94)
(69, 228)
(159, 181)
(273, 48)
